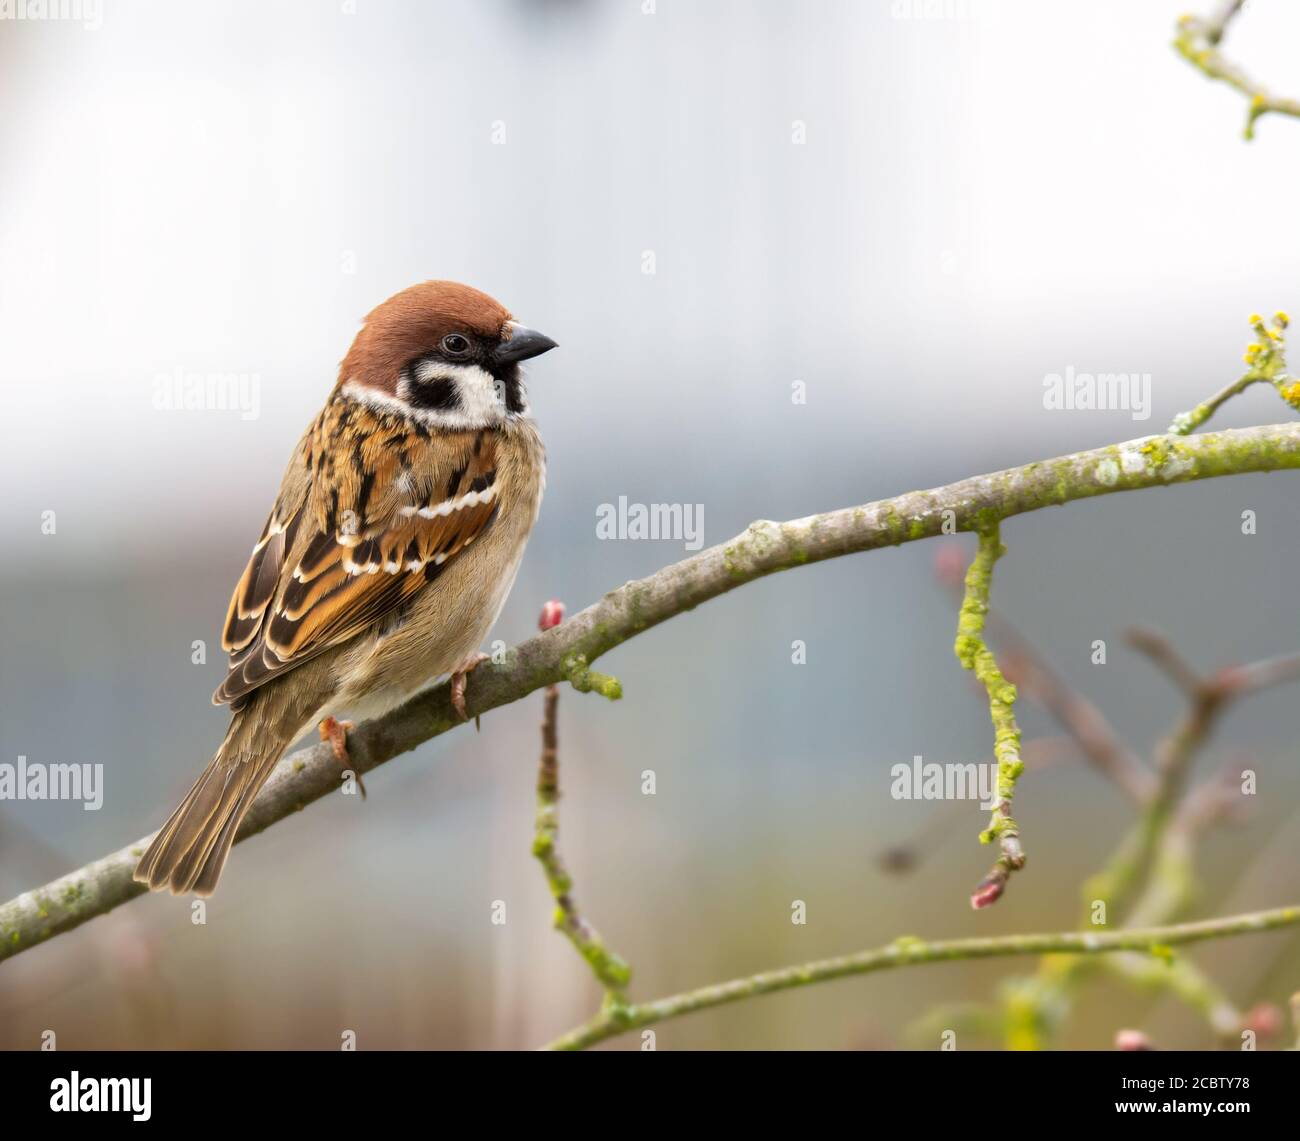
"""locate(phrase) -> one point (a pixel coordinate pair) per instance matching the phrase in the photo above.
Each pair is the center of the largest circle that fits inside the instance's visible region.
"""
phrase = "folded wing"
(350, 542)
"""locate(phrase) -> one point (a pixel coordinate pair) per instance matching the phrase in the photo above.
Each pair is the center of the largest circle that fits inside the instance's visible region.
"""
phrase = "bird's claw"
(336, 733)
(458, 676)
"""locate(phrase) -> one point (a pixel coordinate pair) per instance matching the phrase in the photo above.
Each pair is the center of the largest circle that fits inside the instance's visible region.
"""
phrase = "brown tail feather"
(191, 848)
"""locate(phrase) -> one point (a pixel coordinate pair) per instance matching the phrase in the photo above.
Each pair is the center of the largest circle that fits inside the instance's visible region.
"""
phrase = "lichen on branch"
(1197, 40)
(911, 951)
(1266, 358)
(974, 654)
(611, 971)
(763, 548)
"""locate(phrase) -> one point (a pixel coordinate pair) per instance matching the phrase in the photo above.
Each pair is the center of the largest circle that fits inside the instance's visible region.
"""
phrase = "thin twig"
(1215, 799)
(927, 837)
(610, 970)
(1101, 746)
(1169, 892)
(973, 653)
(1209, 698)
(1166, 658)
(1197, 41)
(1156, 857)
(612, 1021)
(1237, 681)
(1266, 356)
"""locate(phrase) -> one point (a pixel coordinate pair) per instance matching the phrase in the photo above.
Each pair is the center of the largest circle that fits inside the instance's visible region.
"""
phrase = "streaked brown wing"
(371, 528)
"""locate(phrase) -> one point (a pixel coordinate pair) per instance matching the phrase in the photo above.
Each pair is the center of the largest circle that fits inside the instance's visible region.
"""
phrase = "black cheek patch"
(437, 395)
(514, 396)
(508, 379)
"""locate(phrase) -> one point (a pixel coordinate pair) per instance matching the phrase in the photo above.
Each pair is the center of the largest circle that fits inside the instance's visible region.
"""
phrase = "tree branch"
(974, 655)
(1208, 700)
(1156, 856)
(611, 971)
(566, 652)
(1266, 356)
(1197, 41)
(1082, 721)
(910, 951)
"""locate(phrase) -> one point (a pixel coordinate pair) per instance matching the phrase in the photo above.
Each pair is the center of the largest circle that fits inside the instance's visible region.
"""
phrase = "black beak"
(524, 344)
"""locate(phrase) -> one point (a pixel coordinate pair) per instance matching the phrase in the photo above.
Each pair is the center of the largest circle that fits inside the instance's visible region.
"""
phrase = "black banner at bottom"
(365, 1087)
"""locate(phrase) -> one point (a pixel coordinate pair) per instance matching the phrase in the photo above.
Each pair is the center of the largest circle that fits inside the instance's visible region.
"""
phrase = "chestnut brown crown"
(414, 322)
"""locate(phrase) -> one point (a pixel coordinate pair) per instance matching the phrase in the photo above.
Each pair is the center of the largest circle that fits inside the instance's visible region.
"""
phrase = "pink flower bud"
(1132, 1040)
(552, 614)
(1264, 1019)
(988, 892)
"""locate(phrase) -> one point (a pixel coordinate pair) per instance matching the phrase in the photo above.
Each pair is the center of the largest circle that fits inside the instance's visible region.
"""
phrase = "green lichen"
(974, 655)
(1266, 361)
(617, 1010)
(796, 552)
(586, 680)
(761, 536)
(906, 943)
(1156, 451)
(609, 967)
(894, 525)
(612, 971)
(636, 598)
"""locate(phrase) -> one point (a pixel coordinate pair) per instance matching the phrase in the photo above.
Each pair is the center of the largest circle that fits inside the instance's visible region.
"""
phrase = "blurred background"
(919, 218)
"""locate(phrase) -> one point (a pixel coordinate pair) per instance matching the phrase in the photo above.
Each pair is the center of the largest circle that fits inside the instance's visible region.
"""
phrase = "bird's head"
(444, 353)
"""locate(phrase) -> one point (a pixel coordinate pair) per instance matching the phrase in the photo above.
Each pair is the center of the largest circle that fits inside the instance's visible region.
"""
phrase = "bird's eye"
(453, 344)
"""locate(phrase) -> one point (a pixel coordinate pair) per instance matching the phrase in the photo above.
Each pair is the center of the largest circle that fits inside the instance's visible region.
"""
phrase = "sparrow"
(389, 553)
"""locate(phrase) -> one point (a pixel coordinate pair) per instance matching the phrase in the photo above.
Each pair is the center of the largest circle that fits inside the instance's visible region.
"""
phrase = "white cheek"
(482, 397)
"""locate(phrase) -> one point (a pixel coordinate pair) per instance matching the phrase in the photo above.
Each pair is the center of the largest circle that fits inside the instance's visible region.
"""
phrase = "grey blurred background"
(981, 199)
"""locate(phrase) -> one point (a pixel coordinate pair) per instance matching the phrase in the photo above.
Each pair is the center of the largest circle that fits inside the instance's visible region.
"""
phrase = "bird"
(391, 548)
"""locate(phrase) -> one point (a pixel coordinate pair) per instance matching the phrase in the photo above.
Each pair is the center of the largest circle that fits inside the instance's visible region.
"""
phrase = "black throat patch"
(438, 394)
(508, 377)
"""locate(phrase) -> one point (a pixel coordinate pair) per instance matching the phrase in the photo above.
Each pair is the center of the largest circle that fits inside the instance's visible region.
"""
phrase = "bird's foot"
(336, 733)
(458, 676)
